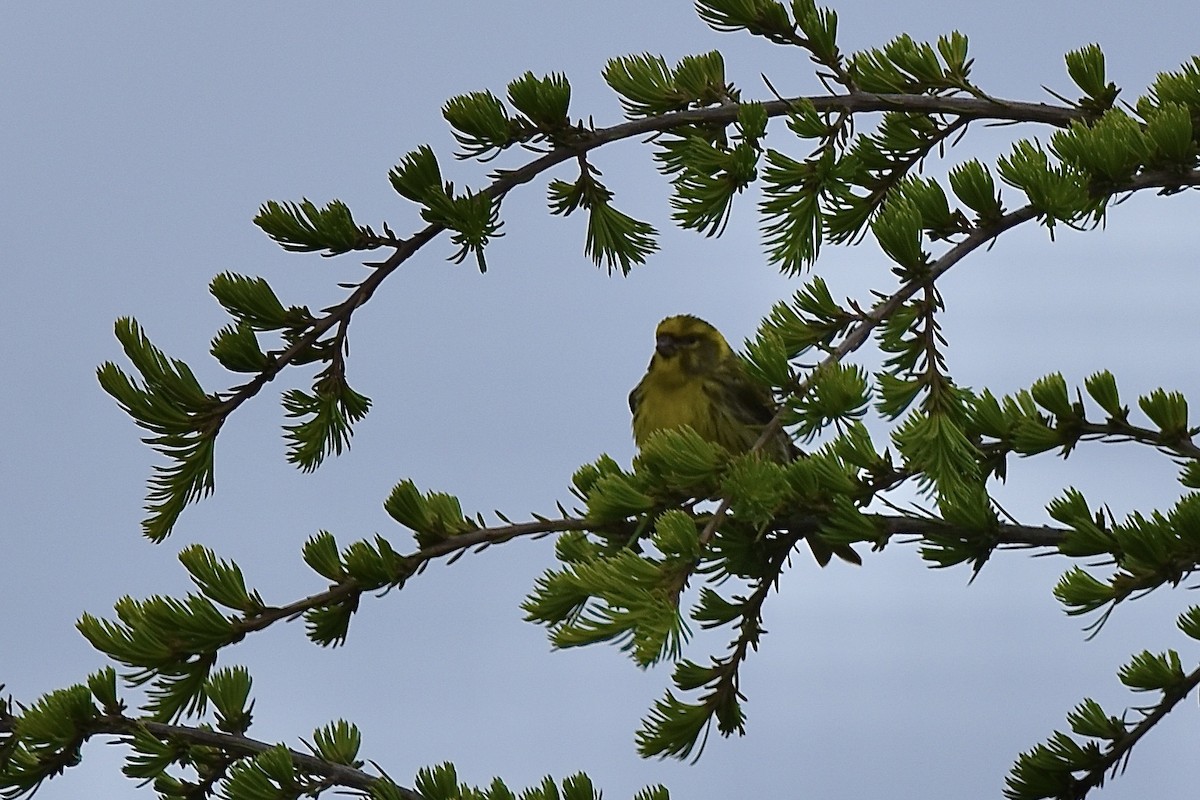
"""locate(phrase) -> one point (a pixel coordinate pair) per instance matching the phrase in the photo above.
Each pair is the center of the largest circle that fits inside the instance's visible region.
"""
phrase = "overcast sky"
(139, 139)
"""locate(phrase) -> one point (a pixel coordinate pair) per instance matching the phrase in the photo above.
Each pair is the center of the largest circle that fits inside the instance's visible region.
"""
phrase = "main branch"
(506, 180)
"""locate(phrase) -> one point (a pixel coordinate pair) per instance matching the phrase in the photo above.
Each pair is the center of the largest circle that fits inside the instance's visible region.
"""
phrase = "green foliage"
(170, 644)
(681, 462)
(432, 517)
(759, 17)
(613, 590)
(793, 220)
(617, 496)
(373, 565)
(327, 417)
(1148, 672)
(1169, 137)
(1089, 534)
(1189, 622)
(304, 228)
(647, 86)
(1017, 424)
(229, 691)
(1064, 767)
(236, 348)
(47, 739)
(329, 625)
(253, 303)
(1167, 410)
(1111, 150)
(810, 320)
(266, 776)
(149, 759)
(1102, 387)
(586, 476)
(837, 191)
(171, 404)
(968, 533)
(1182, 86)
(481, 124)
(627, 598)
(417, 175)
(472, 218)
(339, 743)
(613, 238)
(321, 554)
(1148, 551)
(838, 395)
(1057, 192)
(544, 101)
(973, 184)
(686, 510)
(898, 230)
(905, 66)
(756, 490)
(220, 580)
(937, 445)
(709, 173)
(1086, 68)
(807, 26)
(441, 783)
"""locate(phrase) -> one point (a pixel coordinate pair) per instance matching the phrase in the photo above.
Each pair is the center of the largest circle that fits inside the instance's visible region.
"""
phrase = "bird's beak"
(666, 345)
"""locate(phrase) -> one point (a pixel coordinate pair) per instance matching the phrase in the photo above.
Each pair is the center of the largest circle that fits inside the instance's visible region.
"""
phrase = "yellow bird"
(696, 379)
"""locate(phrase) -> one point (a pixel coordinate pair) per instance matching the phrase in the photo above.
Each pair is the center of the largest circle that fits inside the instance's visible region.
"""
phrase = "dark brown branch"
(337, 774)
(1007, 534)
(750, 632)
(506, 180)
(1122, 431)
(1122, 747)
(1110, 431)
(349, 590)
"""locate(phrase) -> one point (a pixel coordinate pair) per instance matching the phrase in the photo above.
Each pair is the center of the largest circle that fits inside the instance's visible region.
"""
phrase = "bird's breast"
(673, 404)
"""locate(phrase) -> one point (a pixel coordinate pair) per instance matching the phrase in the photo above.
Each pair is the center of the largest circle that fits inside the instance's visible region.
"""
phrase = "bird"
(696, 379)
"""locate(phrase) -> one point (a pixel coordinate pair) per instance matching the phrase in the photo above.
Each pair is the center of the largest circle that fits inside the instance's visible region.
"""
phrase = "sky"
(139, 139)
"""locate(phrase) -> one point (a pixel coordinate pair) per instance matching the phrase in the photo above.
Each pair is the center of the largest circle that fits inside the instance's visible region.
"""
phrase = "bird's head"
(689, 344)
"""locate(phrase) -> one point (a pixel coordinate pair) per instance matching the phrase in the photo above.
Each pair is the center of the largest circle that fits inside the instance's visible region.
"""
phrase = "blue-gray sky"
(139, 139)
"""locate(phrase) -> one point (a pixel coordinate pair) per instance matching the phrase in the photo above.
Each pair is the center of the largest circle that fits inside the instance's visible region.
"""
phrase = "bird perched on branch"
(696, 379)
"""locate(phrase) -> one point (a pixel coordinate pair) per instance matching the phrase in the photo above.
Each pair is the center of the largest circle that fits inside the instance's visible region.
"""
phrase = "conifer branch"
(348, 591)
(586, 141)
(1123, 747)
(335, 774)
(881, 311)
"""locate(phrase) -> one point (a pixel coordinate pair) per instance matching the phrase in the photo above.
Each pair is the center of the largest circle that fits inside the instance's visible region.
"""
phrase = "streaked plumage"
(696, 379)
